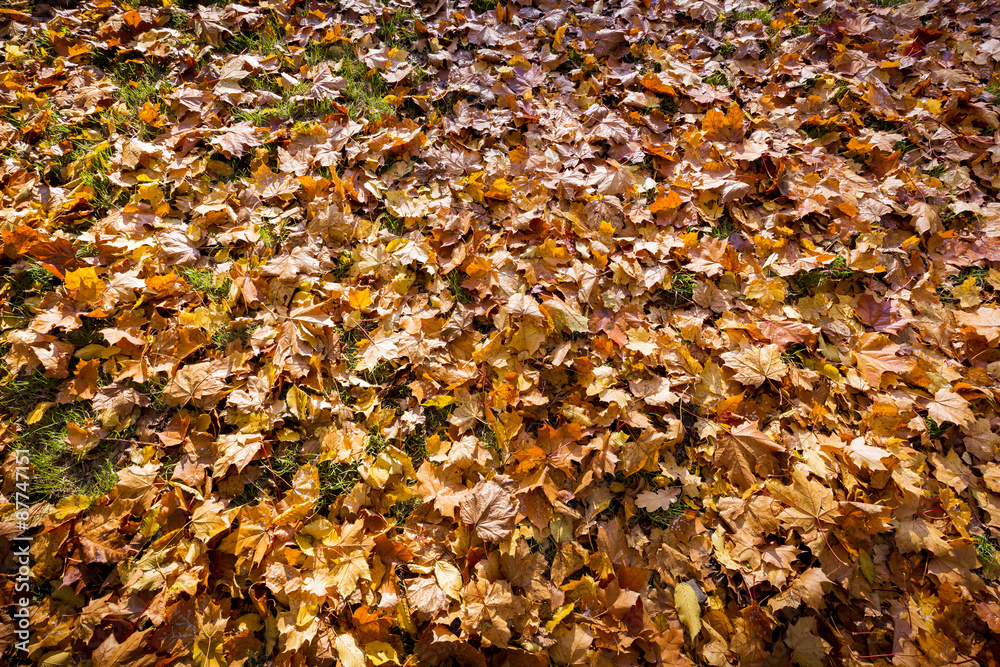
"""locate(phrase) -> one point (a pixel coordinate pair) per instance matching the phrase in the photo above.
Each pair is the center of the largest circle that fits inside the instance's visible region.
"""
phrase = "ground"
(500, 333)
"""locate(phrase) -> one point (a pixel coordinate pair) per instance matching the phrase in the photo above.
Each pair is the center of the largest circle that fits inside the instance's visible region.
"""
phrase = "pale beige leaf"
(756, 365)
(349, 652)
(652, 501)
(948, 406)
(866, 456)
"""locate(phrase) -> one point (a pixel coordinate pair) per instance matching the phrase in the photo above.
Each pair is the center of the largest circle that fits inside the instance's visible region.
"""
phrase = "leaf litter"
(483, 333)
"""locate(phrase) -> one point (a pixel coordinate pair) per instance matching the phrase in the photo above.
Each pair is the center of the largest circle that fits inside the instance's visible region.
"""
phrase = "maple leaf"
(200, 384)
(269, 185)
(636, 454)
(947, 406)
(810, 506)
(728, 127)
(925, 217)
(378, 349)
(287, 267)
(237, 450)
(915, 534)
(981, 441)
(654, 391)
(756, 365)
(489, 509)
(867, 456)
(652, 501)
(808, 648)
(84, 284)
(111, 652)
(210, 518)
(487, 606)
(807, 589)
(235, 139)
(875, 356)
(426, 597)
(564, 316)
(744, 453)
(571, 645)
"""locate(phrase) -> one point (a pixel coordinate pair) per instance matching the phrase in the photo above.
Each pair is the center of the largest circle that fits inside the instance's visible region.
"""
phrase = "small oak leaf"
(652, 501)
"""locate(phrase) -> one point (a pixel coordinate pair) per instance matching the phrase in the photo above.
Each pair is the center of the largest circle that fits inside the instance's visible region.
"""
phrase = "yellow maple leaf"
(84, 284)
(499, 190)
(360, 299)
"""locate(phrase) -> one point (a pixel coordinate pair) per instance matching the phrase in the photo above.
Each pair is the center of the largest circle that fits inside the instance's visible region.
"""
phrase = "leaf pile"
(503, 334)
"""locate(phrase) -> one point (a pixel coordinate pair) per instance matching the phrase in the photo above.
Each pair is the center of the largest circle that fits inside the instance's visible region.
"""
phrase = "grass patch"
(415, 446)
(807, 282)
(795, 355)
(725, 50)
(937, 171)
(935, 430)
(946, 291)
(242, 331)
(904, 146)
(587, 64)
(336, 479)
(876, 123)
(139, 81)
(206, 282)
(668, 105)
(56, 471)
(291, 108)
(716, 79)
(95, 164)
(988, 553)
(681, 287)
(375, 442)
(19, 290)
(722, 229)
(817, 130)
(765, 16)
(392, 224)
(664, 518)
(401, 510)
(396, 29)
(265, 40)
(454, 278)
(446, 103)
(482, 6)
(365, 89)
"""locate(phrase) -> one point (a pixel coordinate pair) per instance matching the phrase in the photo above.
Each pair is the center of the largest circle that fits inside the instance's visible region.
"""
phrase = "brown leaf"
(875, 356)
(744, 453)
(200, 384)
(490, 510)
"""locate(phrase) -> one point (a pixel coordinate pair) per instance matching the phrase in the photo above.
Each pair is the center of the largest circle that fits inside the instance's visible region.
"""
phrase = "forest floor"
(534, 333)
